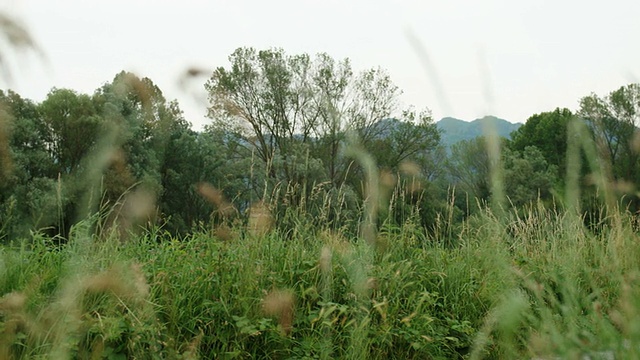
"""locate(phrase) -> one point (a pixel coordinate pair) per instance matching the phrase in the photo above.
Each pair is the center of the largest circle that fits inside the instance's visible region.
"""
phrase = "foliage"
(528, 177)
(282, 259)
(546, 131)
(298, 117)
(312, 219)
(543, 286)
(27, 189)
(469, 167)
(614, 120)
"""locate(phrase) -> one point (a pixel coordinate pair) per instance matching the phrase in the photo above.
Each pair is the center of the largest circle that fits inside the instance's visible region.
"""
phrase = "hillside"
(454, 130)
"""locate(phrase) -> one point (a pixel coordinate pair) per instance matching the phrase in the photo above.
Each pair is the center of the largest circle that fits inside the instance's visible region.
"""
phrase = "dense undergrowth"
(533, 286)
(335, 244)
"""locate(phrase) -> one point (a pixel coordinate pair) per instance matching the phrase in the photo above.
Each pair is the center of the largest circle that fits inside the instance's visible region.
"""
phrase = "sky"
(459, 58)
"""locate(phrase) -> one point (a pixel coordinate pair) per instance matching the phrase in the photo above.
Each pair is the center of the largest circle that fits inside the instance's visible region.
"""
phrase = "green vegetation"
(313, 218)
(541, 285)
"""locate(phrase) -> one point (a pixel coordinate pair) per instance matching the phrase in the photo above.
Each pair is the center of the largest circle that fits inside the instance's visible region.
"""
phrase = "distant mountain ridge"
(454, 130)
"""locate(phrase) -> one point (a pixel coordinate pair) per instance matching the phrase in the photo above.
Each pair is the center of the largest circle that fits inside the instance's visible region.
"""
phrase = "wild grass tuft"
(311, 271)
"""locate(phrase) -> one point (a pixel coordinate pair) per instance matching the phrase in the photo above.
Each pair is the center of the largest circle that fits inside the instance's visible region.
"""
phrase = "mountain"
(454, 130)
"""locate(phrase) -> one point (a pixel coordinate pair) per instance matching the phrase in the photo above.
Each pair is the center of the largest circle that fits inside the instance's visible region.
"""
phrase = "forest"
(313, 217)
(295, 133)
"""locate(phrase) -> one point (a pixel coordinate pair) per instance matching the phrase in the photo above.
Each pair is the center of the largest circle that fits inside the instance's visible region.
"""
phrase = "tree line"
(306, 137)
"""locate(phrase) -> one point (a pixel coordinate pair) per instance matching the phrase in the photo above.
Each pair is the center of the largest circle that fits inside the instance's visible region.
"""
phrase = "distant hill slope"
(454, 130)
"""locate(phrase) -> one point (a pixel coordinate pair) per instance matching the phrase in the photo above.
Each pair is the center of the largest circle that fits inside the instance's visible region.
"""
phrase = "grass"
(541, 287)
(504, 284)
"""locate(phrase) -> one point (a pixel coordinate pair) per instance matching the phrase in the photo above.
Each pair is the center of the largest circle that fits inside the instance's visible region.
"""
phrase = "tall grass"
(541, 287)
(504, 284)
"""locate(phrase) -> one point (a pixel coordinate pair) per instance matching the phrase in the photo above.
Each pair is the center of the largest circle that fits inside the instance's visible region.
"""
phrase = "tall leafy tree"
(28, 190)
(546, 131)
(155, 145)
(614, 120)
(291, 108)
(265, 95)
(411, 140)
(191, 159)
(73, 125)
(528, 176)
(469, 168)
(331, 82)
(294, 114)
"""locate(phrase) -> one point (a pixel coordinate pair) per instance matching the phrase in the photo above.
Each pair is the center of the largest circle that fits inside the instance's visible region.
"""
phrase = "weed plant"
(504, 284)
(533, 284)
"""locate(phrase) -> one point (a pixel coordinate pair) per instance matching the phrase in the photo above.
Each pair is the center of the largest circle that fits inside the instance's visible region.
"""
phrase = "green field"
(535, 286)
(313, 218)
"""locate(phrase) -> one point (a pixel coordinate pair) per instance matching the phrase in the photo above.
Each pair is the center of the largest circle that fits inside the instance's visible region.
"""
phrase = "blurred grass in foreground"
(519, 283)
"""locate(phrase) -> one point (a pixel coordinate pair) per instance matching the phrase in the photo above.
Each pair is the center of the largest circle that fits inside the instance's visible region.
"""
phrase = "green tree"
(614, 120)
(410, 140)
(287, 105)
(73, 125)
(191, 159)
(150, 135)
(469, 167)
(528, 176)
(266, 97)
(294, 114)
(331, 83)
(27, 192)
(546, 131)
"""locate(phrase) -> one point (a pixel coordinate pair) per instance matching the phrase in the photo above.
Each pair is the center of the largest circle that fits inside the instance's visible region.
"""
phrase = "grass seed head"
(124, 282)
(140, 205)
(139, 280)
(281, 304)
(216, 197)
(260, 219)
(224, 232)
(325, 259)
(409, 168)
(336, 242)
(387, 179)
(372, 283)
(12, 302)
(104, 282)
(635, 142)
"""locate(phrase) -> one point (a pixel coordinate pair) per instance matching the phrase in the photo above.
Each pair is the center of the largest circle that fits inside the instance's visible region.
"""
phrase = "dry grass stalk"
(216, 197)
(281, 304)
(326, 259)
(137, 208)
(18, 38)
(260, 219)
(13, 319)
(127, 283)
(12, 302)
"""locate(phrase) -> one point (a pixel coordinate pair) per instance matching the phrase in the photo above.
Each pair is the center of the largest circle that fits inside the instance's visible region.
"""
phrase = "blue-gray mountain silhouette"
(454, 130)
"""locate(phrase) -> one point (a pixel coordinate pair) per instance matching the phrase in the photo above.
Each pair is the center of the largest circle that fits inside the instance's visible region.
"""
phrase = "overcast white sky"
(509, 58)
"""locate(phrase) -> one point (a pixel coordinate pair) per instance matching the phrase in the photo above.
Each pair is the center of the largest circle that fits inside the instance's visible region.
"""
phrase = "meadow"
(536, 285)
(309, 222)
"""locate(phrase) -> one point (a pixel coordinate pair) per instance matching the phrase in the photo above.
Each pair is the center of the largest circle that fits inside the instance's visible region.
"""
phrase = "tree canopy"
(292, 134)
